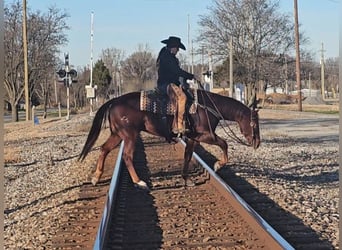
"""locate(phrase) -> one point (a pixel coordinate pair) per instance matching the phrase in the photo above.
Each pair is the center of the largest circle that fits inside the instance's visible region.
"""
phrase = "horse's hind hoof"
(94, 181)
(141, 185)
(217, 166)
(189, 183)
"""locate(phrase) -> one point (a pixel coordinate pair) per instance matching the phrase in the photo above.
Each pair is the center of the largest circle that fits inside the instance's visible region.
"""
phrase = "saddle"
(153, 101)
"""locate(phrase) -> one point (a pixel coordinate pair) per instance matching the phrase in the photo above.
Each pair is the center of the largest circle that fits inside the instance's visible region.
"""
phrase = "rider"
(168, 82)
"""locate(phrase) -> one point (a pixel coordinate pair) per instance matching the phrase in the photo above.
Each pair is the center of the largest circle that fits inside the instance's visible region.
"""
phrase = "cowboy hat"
(174, 41)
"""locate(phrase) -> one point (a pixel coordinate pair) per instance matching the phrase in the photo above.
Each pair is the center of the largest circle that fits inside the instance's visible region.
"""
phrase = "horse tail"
(95, 129)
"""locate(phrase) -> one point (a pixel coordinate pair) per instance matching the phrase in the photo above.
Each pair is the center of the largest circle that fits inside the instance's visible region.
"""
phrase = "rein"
(218, 115)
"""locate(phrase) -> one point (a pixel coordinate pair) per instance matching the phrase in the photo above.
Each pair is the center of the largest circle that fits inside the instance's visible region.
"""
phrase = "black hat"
(174, 41)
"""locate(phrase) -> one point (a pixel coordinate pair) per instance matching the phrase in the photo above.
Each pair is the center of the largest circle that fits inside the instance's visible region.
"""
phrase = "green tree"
(101, 78)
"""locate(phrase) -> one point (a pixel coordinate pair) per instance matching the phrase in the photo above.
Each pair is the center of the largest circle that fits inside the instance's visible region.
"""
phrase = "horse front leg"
(189, 149)
(224, 158)
(214, 139)
(108, 146)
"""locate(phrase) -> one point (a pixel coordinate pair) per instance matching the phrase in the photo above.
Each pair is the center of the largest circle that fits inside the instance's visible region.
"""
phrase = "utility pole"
(56, 97)
(202, 63)
(192, 56)
(27, 94)
(211, 81)
(322, 72)
(297, 56)
(91, 58)
(310, 84)
(231, 84)
(188, 43)
(286, 77)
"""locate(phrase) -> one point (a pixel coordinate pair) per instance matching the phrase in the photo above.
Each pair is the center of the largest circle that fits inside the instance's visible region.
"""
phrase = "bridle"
(215, 111)
(253, 123)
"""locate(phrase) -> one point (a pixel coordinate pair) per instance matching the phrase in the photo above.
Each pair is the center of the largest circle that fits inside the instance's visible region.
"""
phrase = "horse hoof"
(217, 166)
(94, 181)
(189, 183)
(142, 185)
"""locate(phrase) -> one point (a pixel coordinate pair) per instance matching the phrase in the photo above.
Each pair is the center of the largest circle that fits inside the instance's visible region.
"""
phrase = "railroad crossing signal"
(61, 73)
(66, 75)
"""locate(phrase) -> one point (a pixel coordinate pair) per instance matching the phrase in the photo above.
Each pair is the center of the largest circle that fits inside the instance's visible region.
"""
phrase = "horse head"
(254, 124)
(249, 127)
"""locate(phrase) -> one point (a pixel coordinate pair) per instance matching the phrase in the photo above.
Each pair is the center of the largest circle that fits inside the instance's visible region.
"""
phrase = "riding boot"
(166, 126)
(181, 111)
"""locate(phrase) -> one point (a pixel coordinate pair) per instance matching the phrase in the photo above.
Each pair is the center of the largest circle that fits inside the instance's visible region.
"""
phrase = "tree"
(112, 59)
(45, 34)
(259, 33)
(331, 75)
(79, 91)
(101, 78)
(139, 69)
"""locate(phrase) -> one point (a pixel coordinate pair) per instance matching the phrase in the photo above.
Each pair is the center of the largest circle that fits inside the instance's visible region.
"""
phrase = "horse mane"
(234, 109)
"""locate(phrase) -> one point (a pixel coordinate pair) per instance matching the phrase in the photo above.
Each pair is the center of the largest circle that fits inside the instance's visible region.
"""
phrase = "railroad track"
(172, 217)
(80, 224)
(169, 216)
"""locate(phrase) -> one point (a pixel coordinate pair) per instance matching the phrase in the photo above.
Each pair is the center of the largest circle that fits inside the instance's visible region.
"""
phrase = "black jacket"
(169, 70)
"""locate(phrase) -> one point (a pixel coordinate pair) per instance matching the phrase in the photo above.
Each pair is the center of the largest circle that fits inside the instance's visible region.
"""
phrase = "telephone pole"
(91, 57)
(322, 72)
(189, 43)
(26, 87)
(211, 77)
(192, 56)
(297, 56)
(231, 84)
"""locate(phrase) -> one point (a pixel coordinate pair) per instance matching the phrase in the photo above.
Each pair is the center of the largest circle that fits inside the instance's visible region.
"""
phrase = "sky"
(126, 24)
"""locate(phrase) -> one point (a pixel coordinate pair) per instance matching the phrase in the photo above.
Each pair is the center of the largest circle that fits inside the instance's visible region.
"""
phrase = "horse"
(127, 120)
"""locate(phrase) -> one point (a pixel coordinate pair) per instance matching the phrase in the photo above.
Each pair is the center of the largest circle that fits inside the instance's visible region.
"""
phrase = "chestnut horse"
(126, 121)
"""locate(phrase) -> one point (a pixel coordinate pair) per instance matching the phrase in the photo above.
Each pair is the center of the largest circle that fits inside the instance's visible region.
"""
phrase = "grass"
(11, 155)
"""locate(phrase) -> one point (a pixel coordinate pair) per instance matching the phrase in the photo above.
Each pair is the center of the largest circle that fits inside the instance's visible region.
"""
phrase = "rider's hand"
(185, 85)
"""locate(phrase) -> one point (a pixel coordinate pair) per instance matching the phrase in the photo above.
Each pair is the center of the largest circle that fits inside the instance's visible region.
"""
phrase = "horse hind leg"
(128, 158)
(189, 149)
(108, 146)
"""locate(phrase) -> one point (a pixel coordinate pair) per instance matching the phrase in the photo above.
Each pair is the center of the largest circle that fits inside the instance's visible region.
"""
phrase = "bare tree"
(258, 29)
(78, 88)
(112, 59)
(332, 75)
(139, 68)
(45, 35)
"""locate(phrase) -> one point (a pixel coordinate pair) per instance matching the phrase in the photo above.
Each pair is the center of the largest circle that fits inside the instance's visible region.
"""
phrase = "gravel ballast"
(296, 166)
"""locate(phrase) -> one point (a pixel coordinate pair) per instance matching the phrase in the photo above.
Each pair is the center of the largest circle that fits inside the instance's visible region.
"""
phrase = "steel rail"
(271, 231)
(111, 197)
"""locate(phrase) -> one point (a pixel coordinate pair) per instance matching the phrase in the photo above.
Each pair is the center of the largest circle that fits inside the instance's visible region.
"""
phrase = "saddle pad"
(151, 100)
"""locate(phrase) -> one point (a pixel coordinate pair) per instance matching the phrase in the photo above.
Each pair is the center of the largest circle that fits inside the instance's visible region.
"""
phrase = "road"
(302, 125)
(22, 114)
